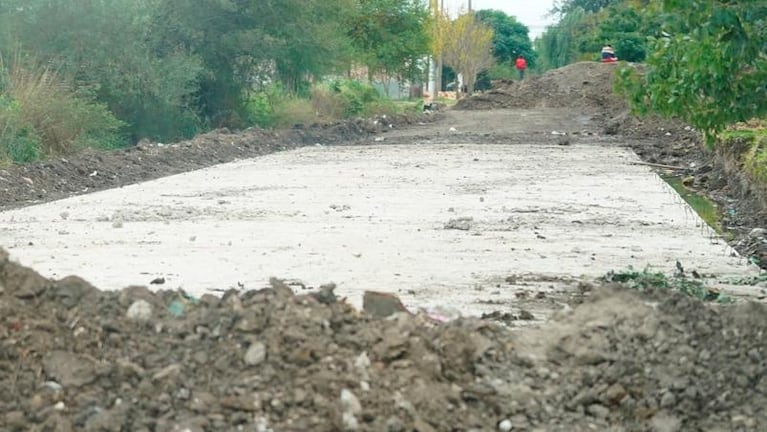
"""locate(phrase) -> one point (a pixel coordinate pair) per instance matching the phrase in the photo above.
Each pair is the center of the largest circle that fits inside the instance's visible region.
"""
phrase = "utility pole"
(435, 74)
(469, 6)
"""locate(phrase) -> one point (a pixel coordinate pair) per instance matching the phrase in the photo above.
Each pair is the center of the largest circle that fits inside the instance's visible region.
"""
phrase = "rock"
(157, 281)
(248, 403)
(255, 354)
(525, 315)
(117, 223)
(382, 305)
(668, 400)
(69, 369)
(349, 422)
(598, 411)
(505, 425)
(461, 224)
(350, 403)
(166, 372)
(64, 215)
(24, 283)
(395, 424)
(71, 290)
(325, 294)
(757, 233)
(664, 422)
(613, 395)
(140, 311)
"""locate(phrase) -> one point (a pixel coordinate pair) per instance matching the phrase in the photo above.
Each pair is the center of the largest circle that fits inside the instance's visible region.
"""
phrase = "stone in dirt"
(382, 305)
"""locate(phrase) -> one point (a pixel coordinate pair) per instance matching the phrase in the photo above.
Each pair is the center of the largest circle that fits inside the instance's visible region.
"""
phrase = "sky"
(529, 12)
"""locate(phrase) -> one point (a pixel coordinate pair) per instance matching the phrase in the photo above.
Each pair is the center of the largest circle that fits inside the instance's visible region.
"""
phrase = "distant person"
(608, 54)
(521, 65)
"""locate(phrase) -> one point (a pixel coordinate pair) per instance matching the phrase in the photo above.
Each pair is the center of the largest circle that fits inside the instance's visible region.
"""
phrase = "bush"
(274, 107)
(40, 116)
(355, 95)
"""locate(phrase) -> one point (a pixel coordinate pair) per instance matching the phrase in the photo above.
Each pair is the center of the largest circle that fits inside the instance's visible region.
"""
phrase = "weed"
(647, 280)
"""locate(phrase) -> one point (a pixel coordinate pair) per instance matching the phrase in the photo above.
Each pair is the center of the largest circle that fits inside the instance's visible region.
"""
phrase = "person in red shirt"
(521, 65)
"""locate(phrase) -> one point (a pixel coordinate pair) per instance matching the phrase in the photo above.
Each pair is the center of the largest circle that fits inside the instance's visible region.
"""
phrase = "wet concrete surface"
(468, 226)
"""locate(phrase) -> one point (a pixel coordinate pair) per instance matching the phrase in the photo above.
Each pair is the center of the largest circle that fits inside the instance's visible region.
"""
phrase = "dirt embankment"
(90, 170)
(73, 358)
(587, 88)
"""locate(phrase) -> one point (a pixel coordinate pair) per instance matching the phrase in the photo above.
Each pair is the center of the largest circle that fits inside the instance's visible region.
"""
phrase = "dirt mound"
(584, 86)
(76, 358)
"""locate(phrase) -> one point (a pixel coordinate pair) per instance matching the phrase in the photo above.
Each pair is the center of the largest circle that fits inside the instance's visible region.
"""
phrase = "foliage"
(468, 48)
(502, 72)
(169, 69)
(709, 67)
(564, 7)
(585, 26)
(355, 96)
(391, 37)
(557, 46)
(647, 280)
(108, 47)
(41, 115)
(510, 37)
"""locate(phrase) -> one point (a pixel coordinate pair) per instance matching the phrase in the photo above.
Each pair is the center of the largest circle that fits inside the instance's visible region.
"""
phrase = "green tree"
(709, 67)
(391, 36)
(247, 44)
(108, 48)
(564, 7)
(510, 37)
(558, 45)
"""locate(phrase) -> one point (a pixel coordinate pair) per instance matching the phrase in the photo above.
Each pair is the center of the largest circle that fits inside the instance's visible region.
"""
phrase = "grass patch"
(646, 280)
(704, 207)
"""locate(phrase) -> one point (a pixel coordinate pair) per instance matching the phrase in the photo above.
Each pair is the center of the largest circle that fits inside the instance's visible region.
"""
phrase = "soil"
(75, 358)
(91, 171)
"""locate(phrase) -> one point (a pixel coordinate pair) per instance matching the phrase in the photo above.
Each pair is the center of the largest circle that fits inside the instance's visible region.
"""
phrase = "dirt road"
(484, 211)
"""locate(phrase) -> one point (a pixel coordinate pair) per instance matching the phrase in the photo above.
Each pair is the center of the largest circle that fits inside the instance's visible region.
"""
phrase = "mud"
(78, 359)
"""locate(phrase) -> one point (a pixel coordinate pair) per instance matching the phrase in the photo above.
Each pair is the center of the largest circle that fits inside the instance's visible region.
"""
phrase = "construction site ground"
(230, 294)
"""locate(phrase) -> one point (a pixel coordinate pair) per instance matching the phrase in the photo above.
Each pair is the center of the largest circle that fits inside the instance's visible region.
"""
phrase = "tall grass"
(42, 116)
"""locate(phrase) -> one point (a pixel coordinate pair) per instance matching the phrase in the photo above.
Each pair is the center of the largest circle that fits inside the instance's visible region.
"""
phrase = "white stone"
(349, 402)
(256, 354)
(140, 310)
(505, 425)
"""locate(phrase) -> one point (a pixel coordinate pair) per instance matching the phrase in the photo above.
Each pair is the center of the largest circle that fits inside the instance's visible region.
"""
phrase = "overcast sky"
(530, 12)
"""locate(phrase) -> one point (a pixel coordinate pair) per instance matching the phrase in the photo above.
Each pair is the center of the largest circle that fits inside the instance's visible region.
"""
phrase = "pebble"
(505, 425)
(349, 421)
(350, 403)
(256, 354)
(668, 400)
(140, 310)
(395, 424)
(598, 411)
